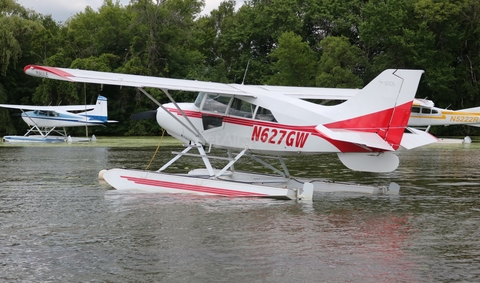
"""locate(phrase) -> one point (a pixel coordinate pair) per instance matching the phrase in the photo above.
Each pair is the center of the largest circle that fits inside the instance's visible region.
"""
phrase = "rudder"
(100, 111)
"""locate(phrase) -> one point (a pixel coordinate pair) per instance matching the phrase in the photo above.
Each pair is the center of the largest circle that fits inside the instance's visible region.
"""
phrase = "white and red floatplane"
(262, 122)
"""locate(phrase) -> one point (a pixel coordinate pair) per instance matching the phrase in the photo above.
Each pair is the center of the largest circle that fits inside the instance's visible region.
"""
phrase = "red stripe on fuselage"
(192, 188)
(389, 127)
(188, 113)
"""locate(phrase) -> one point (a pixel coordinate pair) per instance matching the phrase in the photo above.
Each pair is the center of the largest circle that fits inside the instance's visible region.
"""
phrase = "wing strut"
(195, 132)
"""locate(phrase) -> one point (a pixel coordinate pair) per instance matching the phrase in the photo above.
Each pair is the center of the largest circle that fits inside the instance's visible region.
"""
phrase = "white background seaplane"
(260, 121)
(425, 114)
(48, 123)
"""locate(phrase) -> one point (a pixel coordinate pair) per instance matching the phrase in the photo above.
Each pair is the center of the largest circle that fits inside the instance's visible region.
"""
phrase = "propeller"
(151, 114)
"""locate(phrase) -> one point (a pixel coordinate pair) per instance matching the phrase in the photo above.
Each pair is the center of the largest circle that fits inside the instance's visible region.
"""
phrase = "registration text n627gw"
(279, 136)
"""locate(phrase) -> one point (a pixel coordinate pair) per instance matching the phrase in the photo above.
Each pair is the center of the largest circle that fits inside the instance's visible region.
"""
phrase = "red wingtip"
(43, 71)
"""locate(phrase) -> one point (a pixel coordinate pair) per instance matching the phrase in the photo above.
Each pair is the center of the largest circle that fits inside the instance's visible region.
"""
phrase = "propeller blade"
(152, 114)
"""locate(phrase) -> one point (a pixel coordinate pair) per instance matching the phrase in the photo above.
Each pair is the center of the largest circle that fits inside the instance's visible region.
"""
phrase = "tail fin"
(382, 107)
(100, 111)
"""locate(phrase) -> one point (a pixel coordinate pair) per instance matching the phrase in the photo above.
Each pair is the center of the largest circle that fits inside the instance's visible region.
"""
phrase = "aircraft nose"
(151, 114)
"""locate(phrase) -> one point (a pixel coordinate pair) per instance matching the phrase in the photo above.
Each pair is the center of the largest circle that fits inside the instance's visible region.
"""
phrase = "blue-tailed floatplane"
(48, 123)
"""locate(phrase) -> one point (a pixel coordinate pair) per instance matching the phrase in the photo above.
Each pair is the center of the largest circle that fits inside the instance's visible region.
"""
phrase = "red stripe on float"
(192, 188)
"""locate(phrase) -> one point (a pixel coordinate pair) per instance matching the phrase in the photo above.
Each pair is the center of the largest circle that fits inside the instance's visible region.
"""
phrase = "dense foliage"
(327, 43)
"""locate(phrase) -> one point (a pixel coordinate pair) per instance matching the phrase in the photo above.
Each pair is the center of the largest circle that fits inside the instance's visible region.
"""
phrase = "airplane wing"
(85, 76)
(423, 102)
(313, 92)
(330, 93)
(62, 108)
(76, 75)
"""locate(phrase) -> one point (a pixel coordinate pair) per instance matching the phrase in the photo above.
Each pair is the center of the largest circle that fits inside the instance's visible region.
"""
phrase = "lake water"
(60, 224)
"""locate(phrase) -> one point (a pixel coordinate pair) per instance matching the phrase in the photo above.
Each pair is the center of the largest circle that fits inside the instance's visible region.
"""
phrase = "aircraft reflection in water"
(254, 121)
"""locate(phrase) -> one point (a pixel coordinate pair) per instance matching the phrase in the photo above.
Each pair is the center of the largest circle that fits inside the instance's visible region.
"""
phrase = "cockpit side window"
(264, 114)
(216, 103)
(415, 109)
(198, 100)
(241, 108)
(426, 110)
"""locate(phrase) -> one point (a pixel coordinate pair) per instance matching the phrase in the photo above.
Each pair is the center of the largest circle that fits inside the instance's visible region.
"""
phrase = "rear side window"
(241, 108)
(264, 114)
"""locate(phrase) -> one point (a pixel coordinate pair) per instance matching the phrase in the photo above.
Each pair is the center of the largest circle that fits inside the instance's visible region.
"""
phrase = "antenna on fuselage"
(246, 69)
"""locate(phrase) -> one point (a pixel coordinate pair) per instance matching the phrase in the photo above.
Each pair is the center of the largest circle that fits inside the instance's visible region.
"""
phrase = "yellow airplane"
(424, 114)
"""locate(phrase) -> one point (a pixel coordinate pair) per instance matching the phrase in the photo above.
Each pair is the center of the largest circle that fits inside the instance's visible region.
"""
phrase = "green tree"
(341, 64)
(212, 43)
(452, 72)
(18, 30)
(163, 41)
(15, 28)
(252, 33)
(295, 62)
(323, 18)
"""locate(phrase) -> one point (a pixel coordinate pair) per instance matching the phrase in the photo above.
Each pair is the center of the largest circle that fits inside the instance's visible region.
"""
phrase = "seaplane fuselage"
(277, 125)
(234, 132)
(434, 116)
(42, 118)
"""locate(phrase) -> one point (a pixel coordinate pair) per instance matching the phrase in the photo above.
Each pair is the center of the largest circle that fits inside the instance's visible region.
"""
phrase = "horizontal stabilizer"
(364, 138)
(416, 138)
(370, 162)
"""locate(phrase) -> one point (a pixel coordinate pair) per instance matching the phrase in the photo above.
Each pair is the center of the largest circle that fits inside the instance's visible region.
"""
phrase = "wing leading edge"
(85, 76)
(62, 108)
